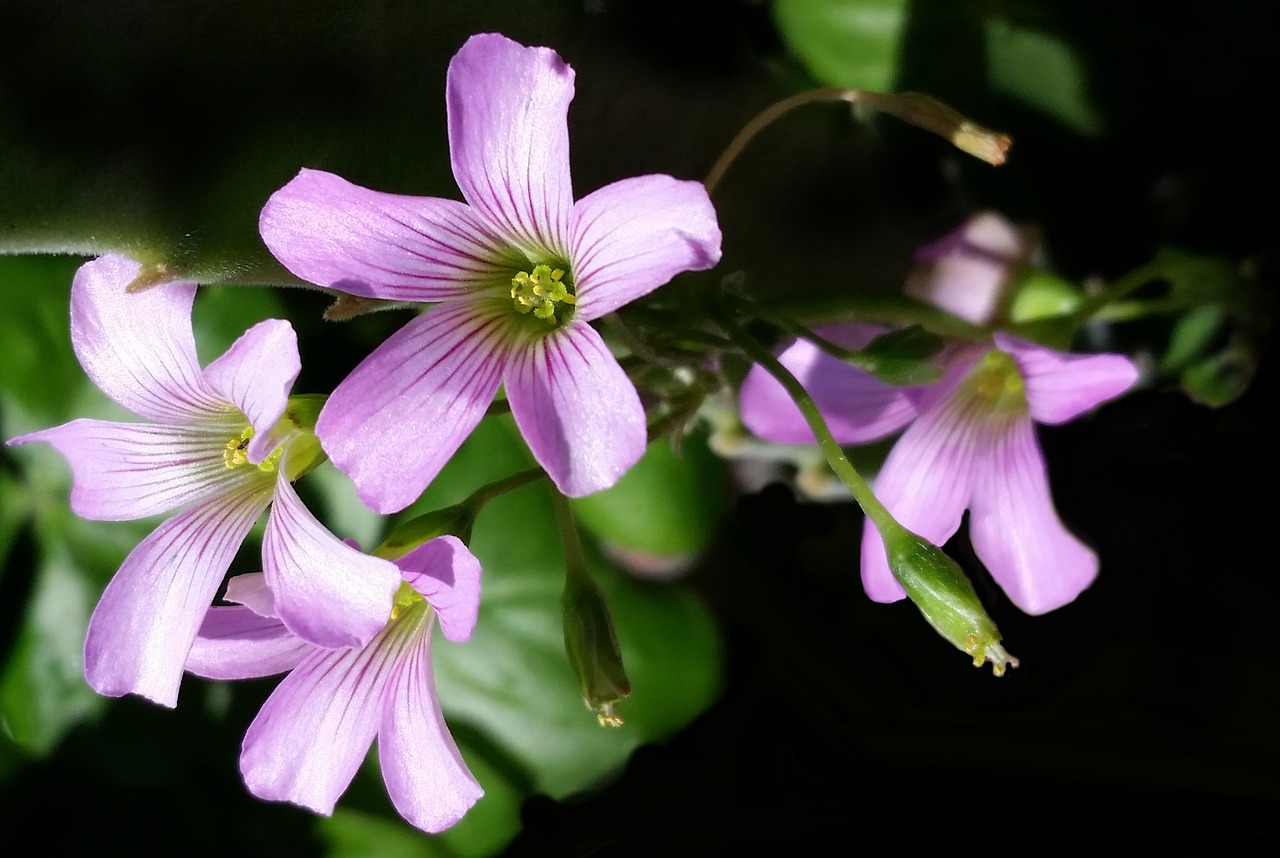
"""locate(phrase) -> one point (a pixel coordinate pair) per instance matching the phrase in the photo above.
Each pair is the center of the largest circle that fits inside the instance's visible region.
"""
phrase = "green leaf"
(38, 370)
(901, 357)
(850, 43)
(42, 690)
(1043, 72)
(664, 511)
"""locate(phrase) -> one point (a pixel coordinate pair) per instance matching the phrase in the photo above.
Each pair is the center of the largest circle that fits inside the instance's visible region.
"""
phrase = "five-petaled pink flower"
(516, 273)
(316, 727)
(970, 444)
(218, 450)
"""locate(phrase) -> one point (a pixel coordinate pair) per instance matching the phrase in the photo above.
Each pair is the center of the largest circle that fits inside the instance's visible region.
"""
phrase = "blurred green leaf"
(850, 43)
(42, 690)
(38, 370)
(666, 509)
(1043, 72)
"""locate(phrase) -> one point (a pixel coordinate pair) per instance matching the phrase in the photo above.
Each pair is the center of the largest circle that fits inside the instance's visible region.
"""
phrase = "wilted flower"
(517, 273)
(221, 444)
(315, 729)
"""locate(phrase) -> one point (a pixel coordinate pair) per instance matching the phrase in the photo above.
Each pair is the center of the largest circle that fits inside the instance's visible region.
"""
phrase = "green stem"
(839, 462)
(918, 109)
(481, 496)
(1118, 289)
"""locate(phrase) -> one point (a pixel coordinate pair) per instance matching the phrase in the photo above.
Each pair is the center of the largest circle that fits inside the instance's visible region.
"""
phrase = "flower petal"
(402, 413)
(509, 139)
(1016, 531)
(138, 346)
(143, 627)
(316, 727)
(925, 482)
(964, 272)
(236, 643)
(857, 406)
(427, 779)
(124, 471)
(256, 374)
(1062, 386)
(633, 236)
(576, 408)
(447, 574)
(331, 232)
(252, 592)
(325, 591)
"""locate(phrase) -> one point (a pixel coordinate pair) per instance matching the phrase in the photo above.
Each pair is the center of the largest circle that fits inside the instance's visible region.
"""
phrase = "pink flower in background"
(216, 451)
(969, 444)
(314, 731)
(516, 274)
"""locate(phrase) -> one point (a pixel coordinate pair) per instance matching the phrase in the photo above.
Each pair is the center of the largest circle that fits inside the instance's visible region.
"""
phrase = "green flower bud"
(946, 597)
(592, 645)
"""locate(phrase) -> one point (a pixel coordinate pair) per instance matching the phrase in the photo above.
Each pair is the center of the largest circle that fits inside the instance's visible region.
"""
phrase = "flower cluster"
(512, 279)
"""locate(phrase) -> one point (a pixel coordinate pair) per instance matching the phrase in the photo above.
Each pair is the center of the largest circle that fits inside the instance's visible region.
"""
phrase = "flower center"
(236, 453)
(543, 292)
(406, 599)
(997, 380)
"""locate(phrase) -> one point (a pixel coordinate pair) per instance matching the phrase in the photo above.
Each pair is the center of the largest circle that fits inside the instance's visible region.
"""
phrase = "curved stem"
(920, 110)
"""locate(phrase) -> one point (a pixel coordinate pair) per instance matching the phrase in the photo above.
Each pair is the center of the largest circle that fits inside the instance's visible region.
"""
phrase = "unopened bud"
(946, 597)
(592, 645)
(297, 428)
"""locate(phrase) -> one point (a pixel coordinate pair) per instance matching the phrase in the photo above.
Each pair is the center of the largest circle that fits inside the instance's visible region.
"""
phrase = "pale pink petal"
(325, 591)
(857, 406)
(577, 409)
(1015, 529)
(509, 139)
(138, 346)
(252, 592)
(316, 727)
(1062, 386)
(331, 232)
(632, 236)
(132, 470)
(925, 482)
(255, 375)
(401, 414)
(426, 777)
(236, 643)
(142, 629)
(964, 272)
(447, 574)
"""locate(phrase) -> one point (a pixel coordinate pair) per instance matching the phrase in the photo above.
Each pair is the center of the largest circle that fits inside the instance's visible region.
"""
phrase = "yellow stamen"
(540, 291)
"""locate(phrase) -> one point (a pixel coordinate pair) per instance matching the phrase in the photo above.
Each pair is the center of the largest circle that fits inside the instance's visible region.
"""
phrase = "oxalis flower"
(222, 444)
(316, 727)
(517, 273)
(970, 444)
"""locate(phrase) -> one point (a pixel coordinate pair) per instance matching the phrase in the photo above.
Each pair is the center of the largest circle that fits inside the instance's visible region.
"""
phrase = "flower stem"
(831, 449)
(922, 111)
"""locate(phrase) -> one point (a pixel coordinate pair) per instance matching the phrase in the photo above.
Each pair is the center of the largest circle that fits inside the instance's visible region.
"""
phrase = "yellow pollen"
(540, 291)
(236, 453)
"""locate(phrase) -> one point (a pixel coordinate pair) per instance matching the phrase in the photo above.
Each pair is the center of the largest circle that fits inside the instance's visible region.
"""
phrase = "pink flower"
(970, 444)
(516, 274)
(218, 450)
(315, 729)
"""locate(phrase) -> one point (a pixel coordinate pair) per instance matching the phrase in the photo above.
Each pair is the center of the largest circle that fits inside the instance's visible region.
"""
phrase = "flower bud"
(946, 597)
(592, 645)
